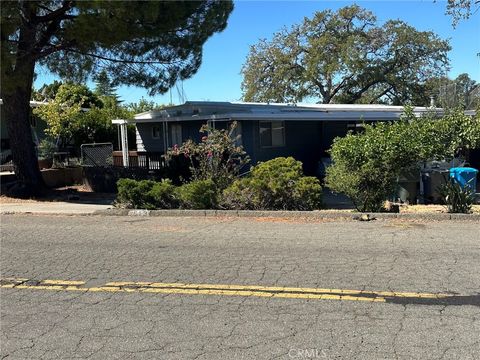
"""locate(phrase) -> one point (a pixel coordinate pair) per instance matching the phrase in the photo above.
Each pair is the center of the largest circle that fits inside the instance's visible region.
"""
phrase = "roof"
(225, 111)
(33, 103)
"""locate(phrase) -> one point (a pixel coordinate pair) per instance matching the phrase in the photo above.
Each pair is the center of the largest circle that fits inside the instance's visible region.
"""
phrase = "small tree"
(76, 115)
(217, 156)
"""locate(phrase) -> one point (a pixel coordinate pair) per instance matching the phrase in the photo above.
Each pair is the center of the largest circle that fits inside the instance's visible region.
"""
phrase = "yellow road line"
(277, 289)
(217, 289)
(63, 282)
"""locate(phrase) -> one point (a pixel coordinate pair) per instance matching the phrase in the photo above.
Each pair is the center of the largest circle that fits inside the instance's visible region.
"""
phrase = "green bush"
(146, 194)
(366, 166)
(457, 198)
(198, 194)
(46, 148)
(278, 184)
(162, 195)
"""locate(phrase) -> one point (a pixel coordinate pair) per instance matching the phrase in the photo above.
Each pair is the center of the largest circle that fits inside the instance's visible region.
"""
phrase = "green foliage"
(47, 92)
(457, 198)
(46, 148)
(366, 166)
(461, 9)
(143, 106)
(217, 156)
(163, 195)
(103, 85)
(151, 44)
(461, 92)
(77, 115)
(146, 194)
(344, 57)
(198, 194)
(277, 184)
(144, 43)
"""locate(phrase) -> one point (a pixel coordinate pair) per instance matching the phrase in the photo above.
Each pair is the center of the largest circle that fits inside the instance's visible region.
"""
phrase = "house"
(38, 131)
(304, 131)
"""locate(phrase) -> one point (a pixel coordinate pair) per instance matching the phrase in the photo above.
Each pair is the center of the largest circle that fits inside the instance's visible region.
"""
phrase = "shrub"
(277, 184)
(457, 198)
(146, 194)
(216, 156)
(366, 166)
(46, 148)
(162, 195)
(198, 194)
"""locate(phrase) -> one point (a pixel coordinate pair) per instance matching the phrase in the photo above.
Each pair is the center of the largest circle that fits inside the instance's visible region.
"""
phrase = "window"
(356, 128)
(237, 134)
(272, 133)
(156, 131)
(176, 133)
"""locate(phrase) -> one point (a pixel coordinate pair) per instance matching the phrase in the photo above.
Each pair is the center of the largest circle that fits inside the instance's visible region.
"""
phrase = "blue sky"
(219, 79)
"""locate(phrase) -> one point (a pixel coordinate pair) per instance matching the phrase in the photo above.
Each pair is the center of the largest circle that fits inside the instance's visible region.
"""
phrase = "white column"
(123, 139)
(123, 130)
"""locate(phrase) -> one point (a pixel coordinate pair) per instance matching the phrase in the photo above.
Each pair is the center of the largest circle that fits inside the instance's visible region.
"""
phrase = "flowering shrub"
(216, 156)
(278, 184)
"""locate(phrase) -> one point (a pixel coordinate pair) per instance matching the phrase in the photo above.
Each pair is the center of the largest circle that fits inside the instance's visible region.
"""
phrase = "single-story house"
(38, 130)
(304, 131)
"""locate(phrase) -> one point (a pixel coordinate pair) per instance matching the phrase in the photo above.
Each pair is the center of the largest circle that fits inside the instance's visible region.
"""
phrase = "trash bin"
(407, 186)
(432, 179)
(465, 177)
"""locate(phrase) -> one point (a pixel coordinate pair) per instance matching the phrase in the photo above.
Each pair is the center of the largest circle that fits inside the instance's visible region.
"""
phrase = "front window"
(176, 131)
(156, 132)
(272, 133)
(237, 134)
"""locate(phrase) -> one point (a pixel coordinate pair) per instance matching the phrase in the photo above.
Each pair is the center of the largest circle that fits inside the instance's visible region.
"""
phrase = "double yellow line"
(216, 289)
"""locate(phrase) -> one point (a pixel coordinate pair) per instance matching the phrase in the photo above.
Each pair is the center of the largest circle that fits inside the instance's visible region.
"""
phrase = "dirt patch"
(295, 220)
(72, 193)
(435, 209)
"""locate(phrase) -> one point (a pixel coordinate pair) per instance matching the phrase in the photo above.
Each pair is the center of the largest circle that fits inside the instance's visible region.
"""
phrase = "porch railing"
(141, 159)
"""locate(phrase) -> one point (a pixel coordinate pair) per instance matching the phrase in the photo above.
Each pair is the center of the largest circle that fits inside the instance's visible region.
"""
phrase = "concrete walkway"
(52, 207)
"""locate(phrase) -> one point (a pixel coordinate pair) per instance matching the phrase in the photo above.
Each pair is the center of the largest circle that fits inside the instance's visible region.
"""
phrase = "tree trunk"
(17, 116)
(17, 79)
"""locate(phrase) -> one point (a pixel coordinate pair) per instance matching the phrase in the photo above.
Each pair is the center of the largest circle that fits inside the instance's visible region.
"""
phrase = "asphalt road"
(401, 290)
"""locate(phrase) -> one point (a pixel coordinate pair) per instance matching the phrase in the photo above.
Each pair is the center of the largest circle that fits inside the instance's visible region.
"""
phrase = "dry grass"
(59, 194)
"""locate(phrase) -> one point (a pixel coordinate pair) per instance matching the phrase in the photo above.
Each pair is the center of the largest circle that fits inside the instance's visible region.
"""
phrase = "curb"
(314, 215)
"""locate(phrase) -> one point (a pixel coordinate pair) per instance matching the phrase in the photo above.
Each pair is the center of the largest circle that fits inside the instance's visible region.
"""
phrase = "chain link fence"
(97, 154)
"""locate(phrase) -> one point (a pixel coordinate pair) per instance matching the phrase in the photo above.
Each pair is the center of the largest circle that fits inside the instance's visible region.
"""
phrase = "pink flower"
(204, 138)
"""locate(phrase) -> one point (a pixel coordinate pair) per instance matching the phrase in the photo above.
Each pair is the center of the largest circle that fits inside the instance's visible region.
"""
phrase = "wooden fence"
(144, 160)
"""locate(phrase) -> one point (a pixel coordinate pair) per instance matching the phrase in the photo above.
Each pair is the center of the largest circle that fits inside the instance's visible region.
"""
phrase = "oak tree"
(343, 57)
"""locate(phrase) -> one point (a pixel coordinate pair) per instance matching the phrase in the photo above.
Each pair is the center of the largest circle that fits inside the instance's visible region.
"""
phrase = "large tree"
(343, 56)
(461, 9)
(144, 43)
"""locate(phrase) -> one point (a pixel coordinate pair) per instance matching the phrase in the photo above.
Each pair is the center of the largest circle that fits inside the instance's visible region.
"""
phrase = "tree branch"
(58, 14)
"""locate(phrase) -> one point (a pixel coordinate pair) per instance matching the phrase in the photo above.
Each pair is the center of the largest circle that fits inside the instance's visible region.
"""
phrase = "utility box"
(466, 177)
